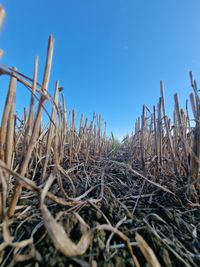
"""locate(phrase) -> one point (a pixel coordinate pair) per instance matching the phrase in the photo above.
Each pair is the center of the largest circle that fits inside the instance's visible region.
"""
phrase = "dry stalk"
(26, 159)
(8, 109)
(51, 130)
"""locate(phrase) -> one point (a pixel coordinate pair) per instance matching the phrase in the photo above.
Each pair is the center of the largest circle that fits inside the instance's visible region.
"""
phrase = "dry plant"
(2, 16)
(165, 149)
(97, 200)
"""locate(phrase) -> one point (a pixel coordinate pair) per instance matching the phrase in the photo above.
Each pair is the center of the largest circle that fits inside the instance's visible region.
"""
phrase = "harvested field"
(73, 196)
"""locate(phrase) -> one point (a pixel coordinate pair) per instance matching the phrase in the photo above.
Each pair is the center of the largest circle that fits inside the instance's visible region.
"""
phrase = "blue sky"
(109, 54)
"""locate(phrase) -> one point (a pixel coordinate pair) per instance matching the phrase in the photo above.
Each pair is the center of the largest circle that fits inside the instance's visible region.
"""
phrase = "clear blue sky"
(109, 54)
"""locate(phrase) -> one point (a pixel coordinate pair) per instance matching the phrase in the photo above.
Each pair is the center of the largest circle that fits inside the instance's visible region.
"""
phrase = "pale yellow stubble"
(2, 16)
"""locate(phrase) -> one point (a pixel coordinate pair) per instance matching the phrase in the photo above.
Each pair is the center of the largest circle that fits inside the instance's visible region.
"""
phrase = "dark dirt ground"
(168, 222)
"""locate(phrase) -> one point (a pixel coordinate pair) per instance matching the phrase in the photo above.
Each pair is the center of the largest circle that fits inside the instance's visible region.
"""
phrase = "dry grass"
(95, 199)
(2, 16)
